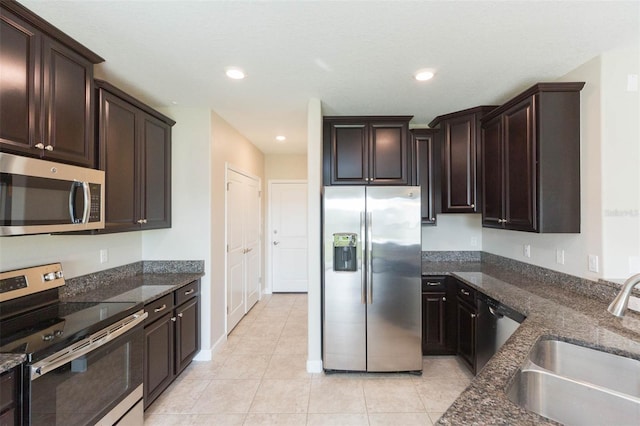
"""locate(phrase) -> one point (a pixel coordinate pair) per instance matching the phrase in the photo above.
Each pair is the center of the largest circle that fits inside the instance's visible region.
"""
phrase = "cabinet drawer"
(8, 390)
(433, 283)
(466, 293)
(187, 292)
(158, 308)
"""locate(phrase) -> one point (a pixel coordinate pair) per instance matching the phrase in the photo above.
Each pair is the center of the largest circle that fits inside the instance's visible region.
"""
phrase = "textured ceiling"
(358, 57)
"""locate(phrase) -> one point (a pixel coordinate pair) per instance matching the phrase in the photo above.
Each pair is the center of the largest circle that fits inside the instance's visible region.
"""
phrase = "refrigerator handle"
(363, 276)
(369, 259)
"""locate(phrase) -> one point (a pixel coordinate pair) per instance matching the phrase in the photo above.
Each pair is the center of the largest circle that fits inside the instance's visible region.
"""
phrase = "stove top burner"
(48, 329)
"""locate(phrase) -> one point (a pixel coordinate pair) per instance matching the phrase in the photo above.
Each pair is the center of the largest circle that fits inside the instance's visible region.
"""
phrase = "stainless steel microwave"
(40, 197)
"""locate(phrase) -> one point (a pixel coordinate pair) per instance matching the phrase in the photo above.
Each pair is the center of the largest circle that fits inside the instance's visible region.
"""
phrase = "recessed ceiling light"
(281, 138)
(423, 75)
(235, 73)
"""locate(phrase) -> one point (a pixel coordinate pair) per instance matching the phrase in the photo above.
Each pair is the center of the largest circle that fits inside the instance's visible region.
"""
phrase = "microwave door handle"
(86, 190)
(86, 194)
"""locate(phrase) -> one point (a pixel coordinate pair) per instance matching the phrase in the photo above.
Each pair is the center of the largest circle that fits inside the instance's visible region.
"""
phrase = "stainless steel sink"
(575, 385)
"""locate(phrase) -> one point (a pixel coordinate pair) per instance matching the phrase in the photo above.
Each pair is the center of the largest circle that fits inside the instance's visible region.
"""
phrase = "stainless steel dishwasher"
(496, 323)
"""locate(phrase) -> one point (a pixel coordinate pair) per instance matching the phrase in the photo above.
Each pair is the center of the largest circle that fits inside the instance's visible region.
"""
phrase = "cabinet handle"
(193, 290)
(173, 319)
(465, 292)
(141, 221)
(49, 148)
(444, 299)
(39, 145)
(432, 283)
(161, 308)
(473, 315)
(433, 219)
(180, 314)
(473, 206)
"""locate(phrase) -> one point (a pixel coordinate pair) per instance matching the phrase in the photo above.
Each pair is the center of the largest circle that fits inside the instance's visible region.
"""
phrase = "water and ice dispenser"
(344, 252)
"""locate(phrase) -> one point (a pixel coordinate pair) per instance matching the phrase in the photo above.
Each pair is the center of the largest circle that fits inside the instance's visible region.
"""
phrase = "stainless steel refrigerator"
(371, 291)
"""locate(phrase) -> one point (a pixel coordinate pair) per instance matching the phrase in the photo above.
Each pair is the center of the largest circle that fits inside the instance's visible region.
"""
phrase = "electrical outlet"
(526, 250)
(593, 263)
(104, 256)
(560, 256)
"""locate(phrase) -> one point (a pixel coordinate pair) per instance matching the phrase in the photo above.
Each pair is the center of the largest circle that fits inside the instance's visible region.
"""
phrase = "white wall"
(79, 254)
(314, 180)
(620, 164)
(190, 205)
(453, 232)
(228, 146)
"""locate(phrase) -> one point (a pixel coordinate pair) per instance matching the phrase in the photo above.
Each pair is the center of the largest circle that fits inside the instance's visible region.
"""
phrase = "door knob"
(275, 243)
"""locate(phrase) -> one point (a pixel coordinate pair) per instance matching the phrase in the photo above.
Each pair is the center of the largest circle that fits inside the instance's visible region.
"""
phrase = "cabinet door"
(388, 154)
(159, 357)
(119, 159)
(156, 173)
(520, 167)
(426, 160)
(68, 115)
(19, 84)
(467, 334)
(433, 323)
(348, 154)
(187, 333)
(459, 177)
(492, 185)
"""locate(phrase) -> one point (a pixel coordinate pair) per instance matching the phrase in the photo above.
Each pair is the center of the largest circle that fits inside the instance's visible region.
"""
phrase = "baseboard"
(207, 354)
(314, 366)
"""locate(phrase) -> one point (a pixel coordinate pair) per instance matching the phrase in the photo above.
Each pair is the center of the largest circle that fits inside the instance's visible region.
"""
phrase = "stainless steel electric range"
(84, 360)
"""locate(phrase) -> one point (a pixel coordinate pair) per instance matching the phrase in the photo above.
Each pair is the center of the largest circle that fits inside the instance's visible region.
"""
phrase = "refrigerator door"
(394, 307)
(344, 309)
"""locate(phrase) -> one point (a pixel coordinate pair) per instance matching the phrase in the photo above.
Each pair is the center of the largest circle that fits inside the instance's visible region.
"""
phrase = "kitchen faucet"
(619, 304)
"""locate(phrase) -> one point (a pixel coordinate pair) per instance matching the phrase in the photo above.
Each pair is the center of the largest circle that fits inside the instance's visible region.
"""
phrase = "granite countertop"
(552, 311)
(141, 288)
(8, 361)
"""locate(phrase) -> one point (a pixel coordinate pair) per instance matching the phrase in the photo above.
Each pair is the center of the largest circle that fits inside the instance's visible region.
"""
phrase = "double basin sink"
(576, 385)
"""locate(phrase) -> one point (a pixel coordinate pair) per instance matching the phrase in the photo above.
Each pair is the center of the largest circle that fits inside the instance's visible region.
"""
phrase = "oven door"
(97, 378)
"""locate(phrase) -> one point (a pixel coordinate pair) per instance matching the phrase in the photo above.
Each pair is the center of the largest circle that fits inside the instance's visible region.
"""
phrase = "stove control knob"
(48, 337)
(59, 274)
(58, 333)
(50, 276)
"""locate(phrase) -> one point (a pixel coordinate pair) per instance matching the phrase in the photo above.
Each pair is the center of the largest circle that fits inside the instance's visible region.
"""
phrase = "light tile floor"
(259, 377)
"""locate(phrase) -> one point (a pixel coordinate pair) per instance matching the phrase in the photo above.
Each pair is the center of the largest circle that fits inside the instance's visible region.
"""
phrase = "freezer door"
(344, 310)
(394, 307)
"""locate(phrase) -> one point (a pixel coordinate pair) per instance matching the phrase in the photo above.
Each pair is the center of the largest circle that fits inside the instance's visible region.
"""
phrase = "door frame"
(229, 167)
(269, 248)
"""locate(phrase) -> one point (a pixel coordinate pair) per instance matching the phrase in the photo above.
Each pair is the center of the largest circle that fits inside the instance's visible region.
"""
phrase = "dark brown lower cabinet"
(172, 339)
(158, 369)
(467, 315)
(438, 316)
(10, 393)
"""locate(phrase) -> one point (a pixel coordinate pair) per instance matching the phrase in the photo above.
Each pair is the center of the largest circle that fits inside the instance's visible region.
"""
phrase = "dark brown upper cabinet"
(370, 150)
(460, 161)
(531, 161)
(426, 170)
(46, 95)
(135, 152)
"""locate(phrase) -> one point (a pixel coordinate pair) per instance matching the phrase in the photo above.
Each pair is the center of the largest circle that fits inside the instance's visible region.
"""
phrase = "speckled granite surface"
(113, 282)
(8, 361)
(553, 309)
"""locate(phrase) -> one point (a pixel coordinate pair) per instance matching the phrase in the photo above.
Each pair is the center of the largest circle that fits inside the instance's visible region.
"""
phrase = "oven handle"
(87, 345)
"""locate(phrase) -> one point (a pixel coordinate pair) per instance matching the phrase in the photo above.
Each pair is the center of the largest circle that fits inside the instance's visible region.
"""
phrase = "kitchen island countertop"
(8, 361)
(553, 310)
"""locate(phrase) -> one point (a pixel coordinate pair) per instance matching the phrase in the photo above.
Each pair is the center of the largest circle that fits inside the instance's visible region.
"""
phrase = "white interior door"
(288, 236)
(243, 245)
(252, 242)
